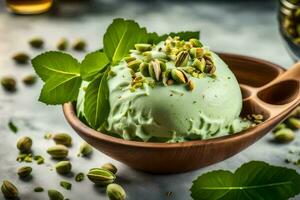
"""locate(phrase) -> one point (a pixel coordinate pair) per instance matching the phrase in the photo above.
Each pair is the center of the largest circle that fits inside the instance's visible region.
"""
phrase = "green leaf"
(96, 102)
(12, 126)
(120, 37)
(55, 63)
(92, 64)
(154, 38)
(254, 180)
(61, 74)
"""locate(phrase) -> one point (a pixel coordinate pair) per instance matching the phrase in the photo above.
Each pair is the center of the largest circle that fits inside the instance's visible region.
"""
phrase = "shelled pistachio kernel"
(196, 52)
(63, 167)
(85, 149)
(55, 195)
(29, 79)
(115, 192)
(144, 69)
(9, 83)
(79, 45)
(178, 76)
(199, 64)
(38, 189)
(79, 177)
(9, 190)
(110, 167)
(66, 185)
(24, 171)
(143, 47)
(182, 59)
(21, 58)
(24, 144)
(63, 138)
(58, 151)
(284, 135)
(62, 44)
(39, 159)
(155, 70)
(36, 42)
(101, 176)
(190, 85)
(293, 123)
(195, 42)
(134, 65)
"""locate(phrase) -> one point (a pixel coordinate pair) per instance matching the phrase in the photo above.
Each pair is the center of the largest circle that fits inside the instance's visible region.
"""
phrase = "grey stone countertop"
(245, 27)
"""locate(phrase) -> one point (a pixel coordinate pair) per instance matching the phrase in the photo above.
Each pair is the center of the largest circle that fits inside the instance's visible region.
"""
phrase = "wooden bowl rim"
(74, 121)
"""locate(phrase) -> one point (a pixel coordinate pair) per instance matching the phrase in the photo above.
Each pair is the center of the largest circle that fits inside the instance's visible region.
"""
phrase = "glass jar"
(289, 26)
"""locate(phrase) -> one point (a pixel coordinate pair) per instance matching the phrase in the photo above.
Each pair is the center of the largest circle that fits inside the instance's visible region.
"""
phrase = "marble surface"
(245, 27)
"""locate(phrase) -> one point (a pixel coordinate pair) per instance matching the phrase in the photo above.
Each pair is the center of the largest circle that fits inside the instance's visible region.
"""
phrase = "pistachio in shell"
(115, 192)
(24, 144)
(101, 176)
(63, 167)
(58, 151)
(9, 190)
(63, 138)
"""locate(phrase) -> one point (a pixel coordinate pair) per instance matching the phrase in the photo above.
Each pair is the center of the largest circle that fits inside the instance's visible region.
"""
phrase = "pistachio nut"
(155, 70)
(196, 52)
(38, 189)
(162, 65)
(178, 76)
(62, 44)
(21, 58)
(199, 64)
(143, 47)
(8, 83)
(278, 127)
(134, 65)
(284, 135)
(55, 195)
(144, 69)
(182, 59)
(63, 167)
(209, 68)
(24, 144)
(129, 59)
(101, 176)
(65, 184)
(85, 149)
(9, 190)
(110, 167)
(296, 112)
(79, 177)
(58, 151)
(293, 123)
(195, 42)
(190, 85)
(115, 192)
(147, 56)
(36, 42)
(24, 171)
(29, 79)
(79, 45)
(39, 159)
(63, 138)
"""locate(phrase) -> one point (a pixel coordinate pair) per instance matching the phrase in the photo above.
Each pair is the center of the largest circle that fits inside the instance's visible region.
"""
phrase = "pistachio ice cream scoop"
(173, 91)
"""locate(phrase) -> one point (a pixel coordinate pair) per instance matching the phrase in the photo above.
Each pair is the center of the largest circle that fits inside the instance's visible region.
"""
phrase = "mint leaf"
(96, 102)
(253, 180)
(154, 38)
(92, 64)
(120, 37)
(61, 74)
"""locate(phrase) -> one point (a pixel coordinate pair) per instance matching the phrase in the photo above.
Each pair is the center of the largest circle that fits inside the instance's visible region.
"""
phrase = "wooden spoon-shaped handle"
(282, 94)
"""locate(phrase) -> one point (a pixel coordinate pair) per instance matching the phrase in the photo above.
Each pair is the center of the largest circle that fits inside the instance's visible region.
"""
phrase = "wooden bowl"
(266, 89)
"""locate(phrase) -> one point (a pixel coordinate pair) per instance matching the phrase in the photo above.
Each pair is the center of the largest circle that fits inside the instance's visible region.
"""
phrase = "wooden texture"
(266, 89)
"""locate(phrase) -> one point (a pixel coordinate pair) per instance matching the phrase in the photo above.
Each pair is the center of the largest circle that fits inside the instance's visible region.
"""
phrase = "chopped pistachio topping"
(170, 62)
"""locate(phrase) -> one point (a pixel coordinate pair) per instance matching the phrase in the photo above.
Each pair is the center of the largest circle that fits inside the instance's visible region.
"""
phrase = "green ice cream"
(159, 111)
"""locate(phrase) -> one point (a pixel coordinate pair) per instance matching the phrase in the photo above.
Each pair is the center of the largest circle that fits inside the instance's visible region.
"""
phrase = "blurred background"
(249, 27)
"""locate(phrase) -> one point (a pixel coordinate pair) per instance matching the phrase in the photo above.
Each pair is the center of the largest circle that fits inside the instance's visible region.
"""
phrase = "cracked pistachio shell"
(85, 149)
(24, 144)
(9, 190)
(134, 65)
(101, 176)
(63, 138)
(63, 167)
(24, 171)
(58, 151)
(178, 76)
(115, 192)
(182, 59)
(144, 69)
